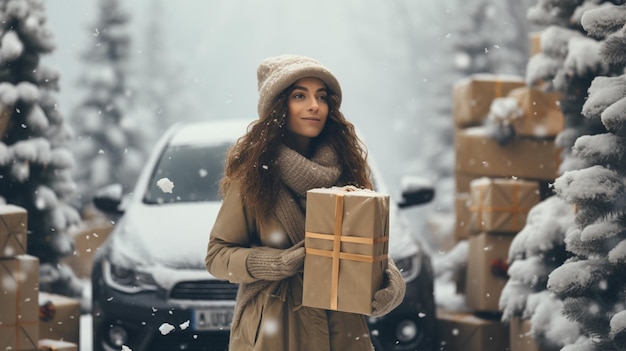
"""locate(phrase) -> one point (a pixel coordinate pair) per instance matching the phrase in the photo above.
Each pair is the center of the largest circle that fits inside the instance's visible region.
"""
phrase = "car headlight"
(409, 266)
(127, 280)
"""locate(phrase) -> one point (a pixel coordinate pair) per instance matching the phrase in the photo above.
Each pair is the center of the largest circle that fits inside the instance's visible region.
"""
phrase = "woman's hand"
(391, 295)
(275, 264)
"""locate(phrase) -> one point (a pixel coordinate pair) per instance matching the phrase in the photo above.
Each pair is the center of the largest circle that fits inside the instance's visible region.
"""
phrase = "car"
(150, 286)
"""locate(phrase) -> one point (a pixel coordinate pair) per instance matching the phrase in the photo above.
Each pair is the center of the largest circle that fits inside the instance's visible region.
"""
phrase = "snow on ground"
(85, 332)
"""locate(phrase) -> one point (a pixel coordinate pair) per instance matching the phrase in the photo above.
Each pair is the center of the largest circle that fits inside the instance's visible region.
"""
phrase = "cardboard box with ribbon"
(478, 154)
(473, 95)
(468, 332)
(19, 325)
(59, 317)
(13, 225)
(542, 117)
(347, 233)
(501, 205)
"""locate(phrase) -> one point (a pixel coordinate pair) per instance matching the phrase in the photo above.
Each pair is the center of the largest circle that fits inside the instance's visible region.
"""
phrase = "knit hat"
(277, 73)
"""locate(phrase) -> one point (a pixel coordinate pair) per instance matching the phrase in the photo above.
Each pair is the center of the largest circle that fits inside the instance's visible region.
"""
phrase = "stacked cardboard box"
(88, 237)
(19, 281)
(20, 311)
(498, 183)
(59, 318)
(466, 331)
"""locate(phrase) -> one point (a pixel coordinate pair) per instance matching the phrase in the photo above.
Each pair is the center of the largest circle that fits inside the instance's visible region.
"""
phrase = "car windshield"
(194, 170)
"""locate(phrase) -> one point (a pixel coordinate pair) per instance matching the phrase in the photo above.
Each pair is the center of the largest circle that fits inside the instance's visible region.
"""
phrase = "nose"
(313, 106)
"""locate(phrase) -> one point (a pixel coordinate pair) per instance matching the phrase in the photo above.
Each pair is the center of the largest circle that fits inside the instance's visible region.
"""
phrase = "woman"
(300, 141)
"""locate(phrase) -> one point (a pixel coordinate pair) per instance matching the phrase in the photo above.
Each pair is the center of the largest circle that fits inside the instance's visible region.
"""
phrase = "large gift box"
(473, 96)
(13, 225)
(19, 277)
(501, 205)
(59, 317)
(347, 233)
(468, 332)
(487, 271)
(525, 158)
(542, 114)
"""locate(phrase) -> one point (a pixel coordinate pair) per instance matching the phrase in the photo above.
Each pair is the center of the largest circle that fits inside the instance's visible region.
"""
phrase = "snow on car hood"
(170, 235)
(176, 235)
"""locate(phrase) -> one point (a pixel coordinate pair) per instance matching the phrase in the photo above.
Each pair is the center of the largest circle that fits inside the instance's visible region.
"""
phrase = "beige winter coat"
(274, 319)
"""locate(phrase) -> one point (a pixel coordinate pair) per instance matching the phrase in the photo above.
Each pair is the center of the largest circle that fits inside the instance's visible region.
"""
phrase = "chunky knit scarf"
(297, 174)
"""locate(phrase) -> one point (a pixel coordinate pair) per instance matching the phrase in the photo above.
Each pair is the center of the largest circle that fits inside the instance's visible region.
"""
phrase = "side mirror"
(416, 191)
(109, 198)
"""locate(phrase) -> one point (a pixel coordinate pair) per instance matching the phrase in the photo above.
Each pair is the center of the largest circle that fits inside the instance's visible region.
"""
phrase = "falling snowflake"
(166, 328)
(165, 185)
(184, 325)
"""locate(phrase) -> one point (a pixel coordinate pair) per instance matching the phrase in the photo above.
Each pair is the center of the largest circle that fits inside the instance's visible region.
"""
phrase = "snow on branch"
(614, 118)
(576, 278)
(603, 92)
(604, 148)
(603, 20)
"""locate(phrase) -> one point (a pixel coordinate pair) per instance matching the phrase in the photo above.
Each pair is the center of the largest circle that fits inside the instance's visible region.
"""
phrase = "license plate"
(212, 318)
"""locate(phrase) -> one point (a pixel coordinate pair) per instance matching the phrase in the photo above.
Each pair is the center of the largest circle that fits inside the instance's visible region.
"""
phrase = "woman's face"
(307, 110)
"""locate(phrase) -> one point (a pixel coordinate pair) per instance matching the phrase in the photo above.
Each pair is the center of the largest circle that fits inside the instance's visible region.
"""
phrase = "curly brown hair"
(251, 159)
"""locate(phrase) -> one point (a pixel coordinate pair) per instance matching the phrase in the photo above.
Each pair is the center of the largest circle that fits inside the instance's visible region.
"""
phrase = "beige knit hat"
(277, 73)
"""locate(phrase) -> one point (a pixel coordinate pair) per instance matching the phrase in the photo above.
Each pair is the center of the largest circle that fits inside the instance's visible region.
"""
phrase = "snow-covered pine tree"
(35, 162)
(568, 62)
(591, 283)
(111, 143)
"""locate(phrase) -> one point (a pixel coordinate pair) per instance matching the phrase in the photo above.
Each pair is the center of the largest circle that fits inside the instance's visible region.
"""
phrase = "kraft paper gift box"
(542, 116)
(520, 337)
(501, 205)
(19, 278)
(13, 225)
(59, 317)
(347, 233)
(478, 154)
(468, 332)
(473, 95)
(56, 345)
(462, 216)
(87, 240)
(462, 181)
(486, 273)
(5, 119)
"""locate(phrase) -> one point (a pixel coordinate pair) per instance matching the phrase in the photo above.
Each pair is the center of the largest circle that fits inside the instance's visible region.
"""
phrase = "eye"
(323, 97)
(297, 96)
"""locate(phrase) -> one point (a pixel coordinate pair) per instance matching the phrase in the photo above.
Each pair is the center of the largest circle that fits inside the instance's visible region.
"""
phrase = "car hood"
(170, 235)
(176, 235)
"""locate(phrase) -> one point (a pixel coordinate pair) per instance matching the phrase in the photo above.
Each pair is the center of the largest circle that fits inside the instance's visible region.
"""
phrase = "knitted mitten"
(389, 297)
(275, 264)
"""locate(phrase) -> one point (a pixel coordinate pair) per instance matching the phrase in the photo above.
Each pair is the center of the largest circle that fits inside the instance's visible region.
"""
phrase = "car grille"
(190, 341)
(204, 290)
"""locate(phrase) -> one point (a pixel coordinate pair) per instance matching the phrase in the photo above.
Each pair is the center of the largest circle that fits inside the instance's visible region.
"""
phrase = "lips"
(316, 119)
